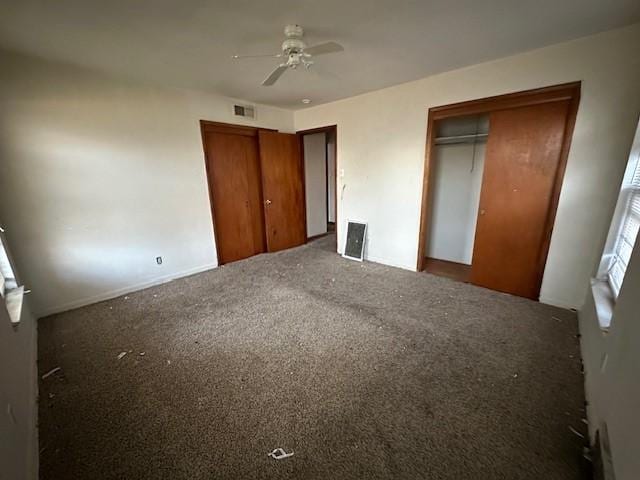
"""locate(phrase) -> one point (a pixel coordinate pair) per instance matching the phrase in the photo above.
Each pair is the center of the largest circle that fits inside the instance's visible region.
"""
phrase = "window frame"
(629, 189)
(629, 193)
(12, 291)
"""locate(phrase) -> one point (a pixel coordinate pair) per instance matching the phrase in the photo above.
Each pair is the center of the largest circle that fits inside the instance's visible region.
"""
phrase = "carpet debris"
(575, 432)
(142, 354)
(343, 333)
(51, 372)
(122, 354)
(279, 454)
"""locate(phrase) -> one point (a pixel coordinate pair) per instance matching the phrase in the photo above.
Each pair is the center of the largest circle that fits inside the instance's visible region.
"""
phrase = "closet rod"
(461, 138)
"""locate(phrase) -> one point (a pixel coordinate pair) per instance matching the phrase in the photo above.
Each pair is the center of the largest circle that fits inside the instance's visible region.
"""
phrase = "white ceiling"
(188, 43)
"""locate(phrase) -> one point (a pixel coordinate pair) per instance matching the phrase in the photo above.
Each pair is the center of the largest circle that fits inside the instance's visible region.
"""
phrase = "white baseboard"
(384, 261)
(124, 290)
(558, 303)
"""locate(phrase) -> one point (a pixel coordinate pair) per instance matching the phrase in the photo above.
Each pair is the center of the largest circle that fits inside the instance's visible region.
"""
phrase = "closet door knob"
(267, 202)
(482, 212)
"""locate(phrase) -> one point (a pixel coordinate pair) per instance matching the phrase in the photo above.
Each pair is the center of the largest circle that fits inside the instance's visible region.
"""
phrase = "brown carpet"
(363, 371)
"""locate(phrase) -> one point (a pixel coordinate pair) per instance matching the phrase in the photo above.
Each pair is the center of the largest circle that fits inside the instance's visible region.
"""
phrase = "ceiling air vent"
(246, 111)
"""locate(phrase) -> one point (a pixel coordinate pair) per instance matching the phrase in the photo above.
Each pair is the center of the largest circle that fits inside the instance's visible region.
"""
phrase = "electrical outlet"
(159, 260)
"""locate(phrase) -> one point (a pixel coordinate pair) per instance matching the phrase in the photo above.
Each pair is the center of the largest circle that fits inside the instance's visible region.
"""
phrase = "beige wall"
(99, 176)
(381, 139)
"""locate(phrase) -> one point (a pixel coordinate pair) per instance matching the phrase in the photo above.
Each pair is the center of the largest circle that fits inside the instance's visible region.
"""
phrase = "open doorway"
(319, 150)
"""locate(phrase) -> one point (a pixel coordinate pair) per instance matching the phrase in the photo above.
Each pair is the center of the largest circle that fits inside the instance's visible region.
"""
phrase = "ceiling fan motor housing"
(293, 43)
(293, 47)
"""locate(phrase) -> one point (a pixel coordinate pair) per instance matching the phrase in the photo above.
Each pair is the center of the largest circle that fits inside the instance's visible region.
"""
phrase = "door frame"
(207, 126)
(328, 129)
(567, 91)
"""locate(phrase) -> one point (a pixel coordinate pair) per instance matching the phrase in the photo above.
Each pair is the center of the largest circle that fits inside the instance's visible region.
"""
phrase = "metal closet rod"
(461, 138)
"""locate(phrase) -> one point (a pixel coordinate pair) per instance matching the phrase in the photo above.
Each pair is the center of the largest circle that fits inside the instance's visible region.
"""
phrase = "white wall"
(457, 180)
(613, 386)
(18, 393)
(99, 176)
(315, 173)
(382, 135)
(612, 360)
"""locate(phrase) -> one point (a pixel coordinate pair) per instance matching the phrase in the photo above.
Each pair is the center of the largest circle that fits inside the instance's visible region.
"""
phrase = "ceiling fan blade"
(275, 75)
(239, 57)
(323, 48)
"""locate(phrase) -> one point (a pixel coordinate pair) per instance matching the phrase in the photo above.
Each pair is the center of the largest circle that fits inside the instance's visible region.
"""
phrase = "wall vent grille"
(245, 111)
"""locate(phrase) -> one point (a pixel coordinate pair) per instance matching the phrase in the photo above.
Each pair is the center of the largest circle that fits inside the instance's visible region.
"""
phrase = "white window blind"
(628, 232)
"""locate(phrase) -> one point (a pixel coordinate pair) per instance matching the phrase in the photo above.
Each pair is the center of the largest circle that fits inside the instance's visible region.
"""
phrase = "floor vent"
(354, 244)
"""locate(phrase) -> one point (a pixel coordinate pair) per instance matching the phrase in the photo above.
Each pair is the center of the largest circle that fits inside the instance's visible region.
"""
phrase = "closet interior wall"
(458, 163)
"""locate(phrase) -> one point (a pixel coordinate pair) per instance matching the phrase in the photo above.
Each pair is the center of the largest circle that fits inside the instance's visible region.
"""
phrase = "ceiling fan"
(296, 53)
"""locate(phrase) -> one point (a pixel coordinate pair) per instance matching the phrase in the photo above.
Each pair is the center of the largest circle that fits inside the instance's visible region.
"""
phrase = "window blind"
(627, 234)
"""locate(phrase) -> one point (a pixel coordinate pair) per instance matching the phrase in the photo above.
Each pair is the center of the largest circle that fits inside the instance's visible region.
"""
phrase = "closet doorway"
(319, 151)
(493, 173)
(255, 189)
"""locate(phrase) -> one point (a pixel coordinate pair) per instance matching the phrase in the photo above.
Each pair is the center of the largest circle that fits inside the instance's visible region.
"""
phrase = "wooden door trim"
(207, 126)
(557, 186)
(310, 131)
(567, 91)
(301, 133)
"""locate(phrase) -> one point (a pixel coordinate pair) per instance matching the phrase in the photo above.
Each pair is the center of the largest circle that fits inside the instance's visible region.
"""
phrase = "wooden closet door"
(522, 162)
(282, 189)
(234, 182)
